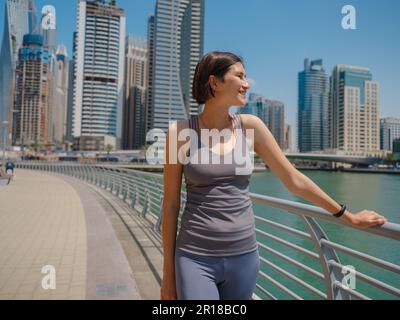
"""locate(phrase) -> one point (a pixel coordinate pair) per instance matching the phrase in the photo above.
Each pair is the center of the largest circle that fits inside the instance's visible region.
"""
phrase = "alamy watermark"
(48, 18)
(349, 20)
(349, 279)
(49, 280)
(239, 153)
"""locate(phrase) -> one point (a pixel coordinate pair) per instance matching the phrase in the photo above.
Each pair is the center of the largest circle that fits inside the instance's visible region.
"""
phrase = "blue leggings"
(216, 278)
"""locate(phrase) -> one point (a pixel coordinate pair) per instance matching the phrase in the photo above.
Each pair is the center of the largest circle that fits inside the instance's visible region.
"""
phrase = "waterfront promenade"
(98, 248)
(99, 228)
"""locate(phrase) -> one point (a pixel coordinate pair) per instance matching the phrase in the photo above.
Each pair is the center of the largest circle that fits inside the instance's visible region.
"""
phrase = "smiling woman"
(215, 255)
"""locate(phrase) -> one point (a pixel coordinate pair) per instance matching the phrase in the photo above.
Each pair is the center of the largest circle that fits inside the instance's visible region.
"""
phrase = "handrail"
(143, 192)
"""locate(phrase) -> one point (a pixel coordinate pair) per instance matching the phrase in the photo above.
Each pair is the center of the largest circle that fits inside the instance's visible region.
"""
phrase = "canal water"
(378, 192)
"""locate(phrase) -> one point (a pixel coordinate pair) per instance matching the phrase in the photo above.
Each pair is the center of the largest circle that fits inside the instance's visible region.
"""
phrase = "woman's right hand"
(168, 290)
(365, 219)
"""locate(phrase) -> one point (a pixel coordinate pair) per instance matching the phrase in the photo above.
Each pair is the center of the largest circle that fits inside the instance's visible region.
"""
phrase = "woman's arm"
(170, 212)
(297, 183)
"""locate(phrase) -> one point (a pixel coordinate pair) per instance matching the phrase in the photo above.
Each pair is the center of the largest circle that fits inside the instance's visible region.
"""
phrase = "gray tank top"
(218, 219)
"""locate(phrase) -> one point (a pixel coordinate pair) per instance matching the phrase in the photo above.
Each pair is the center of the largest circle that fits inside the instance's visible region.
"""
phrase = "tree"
(36, 145)
(108, 148)
(390, 158)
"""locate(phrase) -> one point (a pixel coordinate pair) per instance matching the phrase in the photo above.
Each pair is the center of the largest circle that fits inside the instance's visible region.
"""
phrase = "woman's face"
(232, 91)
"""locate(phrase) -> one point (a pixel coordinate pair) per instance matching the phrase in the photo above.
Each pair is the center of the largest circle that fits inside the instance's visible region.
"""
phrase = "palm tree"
(108, 148)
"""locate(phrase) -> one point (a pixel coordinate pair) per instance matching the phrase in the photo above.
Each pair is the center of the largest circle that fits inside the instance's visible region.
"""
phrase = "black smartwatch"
(341, 212)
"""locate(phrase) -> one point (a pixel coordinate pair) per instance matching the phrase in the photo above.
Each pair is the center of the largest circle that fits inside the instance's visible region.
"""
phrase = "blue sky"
(274, 37)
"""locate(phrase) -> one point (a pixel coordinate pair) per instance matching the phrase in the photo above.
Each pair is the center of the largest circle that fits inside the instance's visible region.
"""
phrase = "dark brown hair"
(212, 64)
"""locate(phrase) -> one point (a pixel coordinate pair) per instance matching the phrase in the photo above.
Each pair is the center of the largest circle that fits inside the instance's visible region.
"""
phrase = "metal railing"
(303, 263)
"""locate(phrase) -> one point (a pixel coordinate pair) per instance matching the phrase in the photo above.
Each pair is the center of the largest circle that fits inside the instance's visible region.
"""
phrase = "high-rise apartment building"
(354, 110)
(99, 70)
(32, 93)
(60, 94)
(136, 64)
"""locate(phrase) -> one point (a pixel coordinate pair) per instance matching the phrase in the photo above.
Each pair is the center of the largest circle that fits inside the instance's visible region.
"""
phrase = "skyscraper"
(32, 90)
(178, 46)
(271, 112)
(19, 18)
(276, 121)
(151, 38)
(99, 70)
(354, 109)
(71, 77)
(60, 87)
(313, 112)
(32, 18)
(288, 138)
(256, 106)
(135, 93)
(390, 131)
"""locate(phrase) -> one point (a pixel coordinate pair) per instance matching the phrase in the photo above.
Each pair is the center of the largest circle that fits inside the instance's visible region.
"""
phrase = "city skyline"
(258, 26)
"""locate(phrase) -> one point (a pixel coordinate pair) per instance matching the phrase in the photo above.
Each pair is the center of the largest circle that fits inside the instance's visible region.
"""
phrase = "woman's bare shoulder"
(250, 121)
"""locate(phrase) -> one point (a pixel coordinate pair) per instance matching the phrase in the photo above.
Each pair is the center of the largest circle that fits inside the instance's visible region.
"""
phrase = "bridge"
(334, 158)
(100, 228)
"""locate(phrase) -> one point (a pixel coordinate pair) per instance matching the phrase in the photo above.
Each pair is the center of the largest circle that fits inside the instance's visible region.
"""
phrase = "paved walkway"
(97, 246)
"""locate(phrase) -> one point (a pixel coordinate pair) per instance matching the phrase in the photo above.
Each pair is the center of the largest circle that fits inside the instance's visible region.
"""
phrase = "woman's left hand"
(367, 219)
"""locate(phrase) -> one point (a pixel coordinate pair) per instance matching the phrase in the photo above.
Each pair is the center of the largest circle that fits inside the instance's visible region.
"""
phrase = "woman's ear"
(213, 81)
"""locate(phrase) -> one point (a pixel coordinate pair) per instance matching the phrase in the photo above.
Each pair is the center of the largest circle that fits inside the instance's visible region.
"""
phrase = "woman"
(215, 255)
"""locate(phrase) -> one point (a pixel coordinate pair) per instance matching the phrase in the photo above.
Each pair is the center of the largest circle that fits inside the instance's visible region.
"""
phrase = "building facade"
(60, 94)
(256, 106)
(32, 93)
(276, 121)
(288, 138)
(389, 132)
(136, 65)
(313, 112)
(151, 47)
(176, 49)
(19, 19)
(354, 110)
(99, 57)
(271, 112)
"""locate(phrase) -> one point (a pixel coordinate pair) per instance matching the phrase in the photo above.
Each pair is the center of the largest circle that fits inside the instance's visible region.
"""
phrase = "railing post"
(146, 202)
(157, 226)
(134, 197)
(326, 254)
(127, 190)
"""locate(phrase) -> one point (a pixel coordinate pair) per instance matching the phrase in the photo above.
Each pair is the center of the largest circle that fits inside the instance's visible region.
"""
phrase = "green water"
(378, 192)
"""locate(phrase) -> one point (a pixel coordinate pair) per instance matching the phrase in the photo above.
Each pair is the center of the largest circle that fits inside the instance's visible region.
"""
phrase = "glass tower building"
(98, 70)
(390, 131)
(178, 46)
(313, 103)
(271, 112)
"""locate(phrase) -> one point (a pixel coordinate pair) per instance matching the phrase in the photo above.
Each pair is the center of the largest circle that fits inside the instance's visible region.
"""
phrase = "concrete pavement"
(96, 245)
